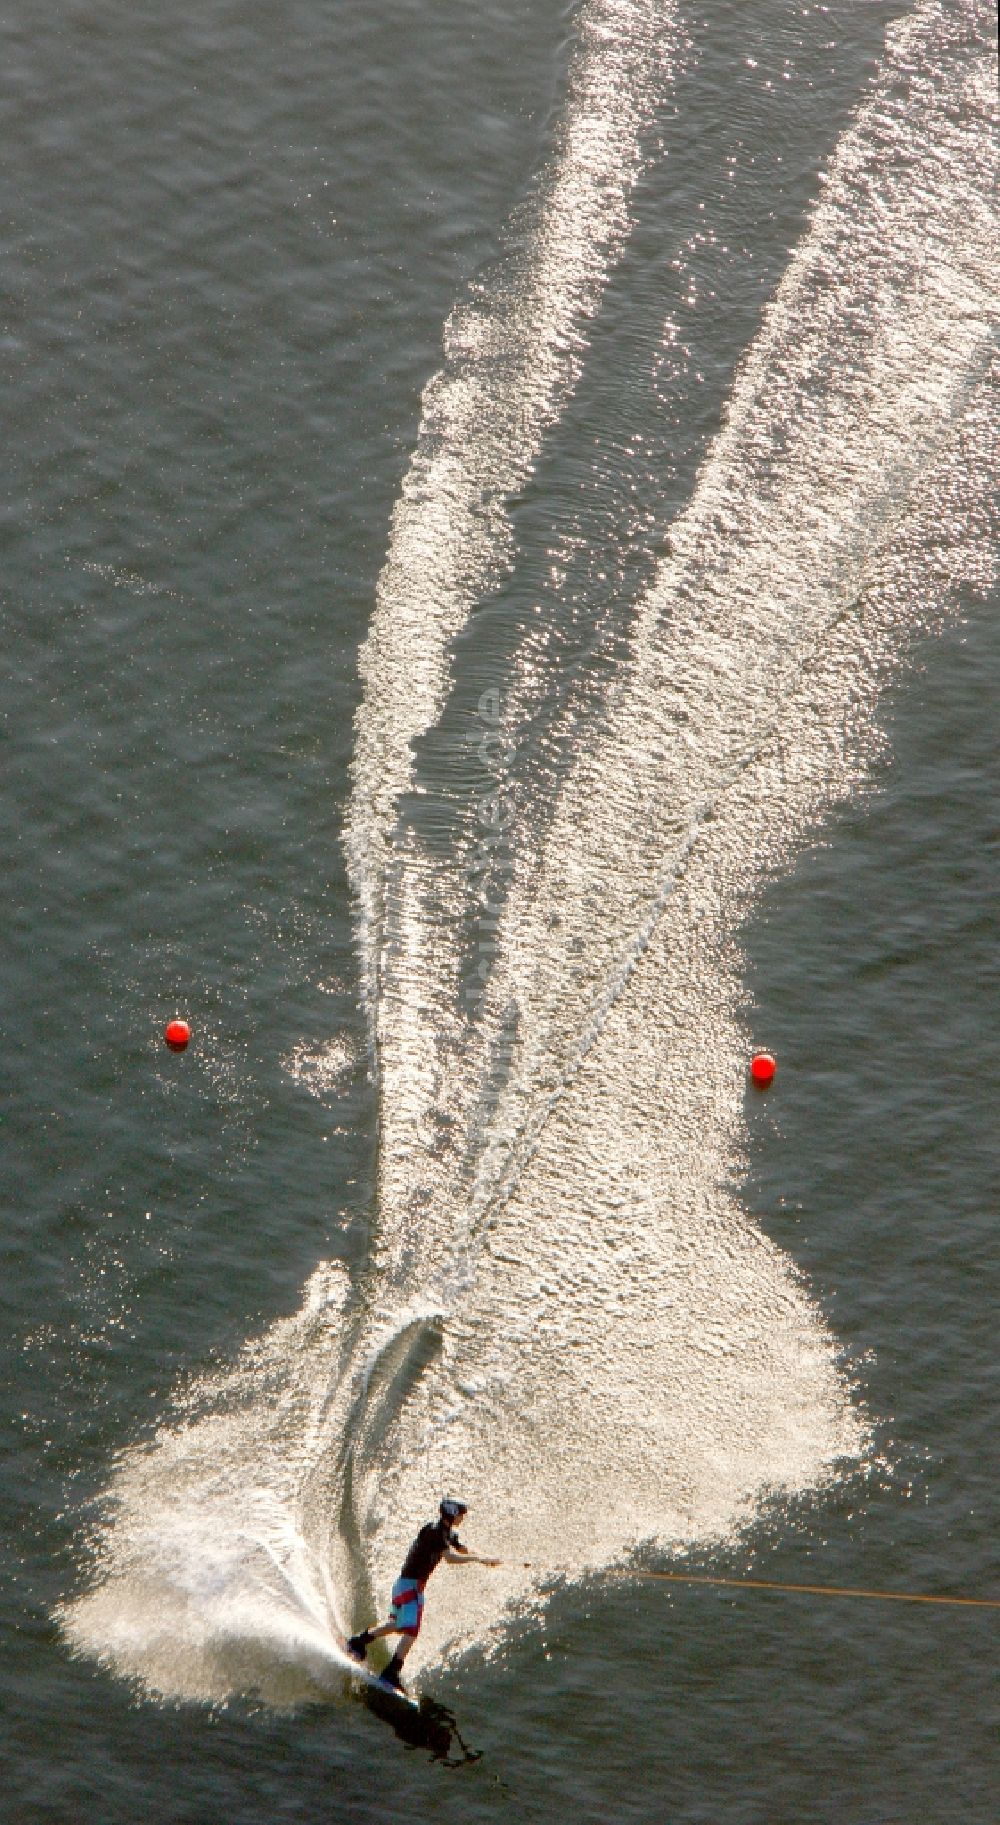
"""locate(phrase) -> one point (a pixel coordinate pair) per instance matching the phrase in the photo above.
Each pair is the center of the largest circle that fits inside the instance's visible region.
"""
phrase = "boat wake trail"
(566, 1315)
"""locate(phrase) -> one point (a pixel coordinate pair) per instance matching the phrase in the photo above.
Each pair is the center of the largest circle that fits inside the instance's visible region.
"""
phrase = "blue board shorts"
(406, 1606)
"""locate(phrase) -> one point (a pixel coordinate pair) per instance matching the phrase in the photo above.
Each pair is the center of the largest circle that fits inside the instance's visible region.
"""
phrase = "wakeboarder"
(436, 1541)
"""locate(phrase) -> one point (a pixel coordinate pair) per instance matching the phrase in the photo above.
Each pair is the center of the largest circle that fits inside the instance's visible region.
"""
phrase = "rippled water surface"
(500, 602)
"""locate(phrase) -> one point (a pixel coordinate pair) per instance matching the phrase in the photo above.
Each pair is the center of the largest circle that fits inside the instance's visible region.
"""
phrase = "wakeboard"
(366, 1676)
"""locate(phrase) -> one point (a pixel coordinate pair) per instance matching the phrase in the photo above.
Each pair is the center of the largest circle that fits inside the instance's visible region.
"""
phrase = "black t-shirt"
(428, 1550)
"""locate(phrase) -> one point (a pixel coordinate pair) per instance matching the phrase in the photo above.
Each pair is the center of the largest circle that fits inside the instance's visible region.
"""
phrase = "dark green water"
(232, 239)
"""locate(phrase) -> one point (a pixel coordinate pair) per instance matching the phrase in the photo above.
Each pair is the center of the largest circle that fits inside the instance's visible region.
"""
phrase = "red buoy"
(762, 1068)
(177, 1033)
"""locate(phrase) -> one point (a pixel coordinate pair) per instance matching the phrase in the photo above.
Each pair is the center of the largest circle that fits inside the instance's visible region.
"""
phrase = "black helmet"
(452, 1511)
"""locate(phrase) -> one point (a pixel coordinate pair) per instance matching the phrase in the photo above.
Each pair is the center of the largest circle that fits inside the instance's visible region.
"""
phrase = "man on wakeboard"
(437, 1541)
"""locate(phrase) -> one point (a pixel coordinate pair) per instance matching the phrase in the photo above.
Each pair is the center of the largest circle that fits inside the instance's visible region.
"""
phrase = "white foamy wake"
(567, 1318)
(513, 354)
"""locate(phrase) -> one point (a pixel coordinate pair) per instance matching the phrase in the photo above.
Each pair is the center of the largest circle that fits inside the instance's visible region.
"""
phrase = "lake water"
(500, 598)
